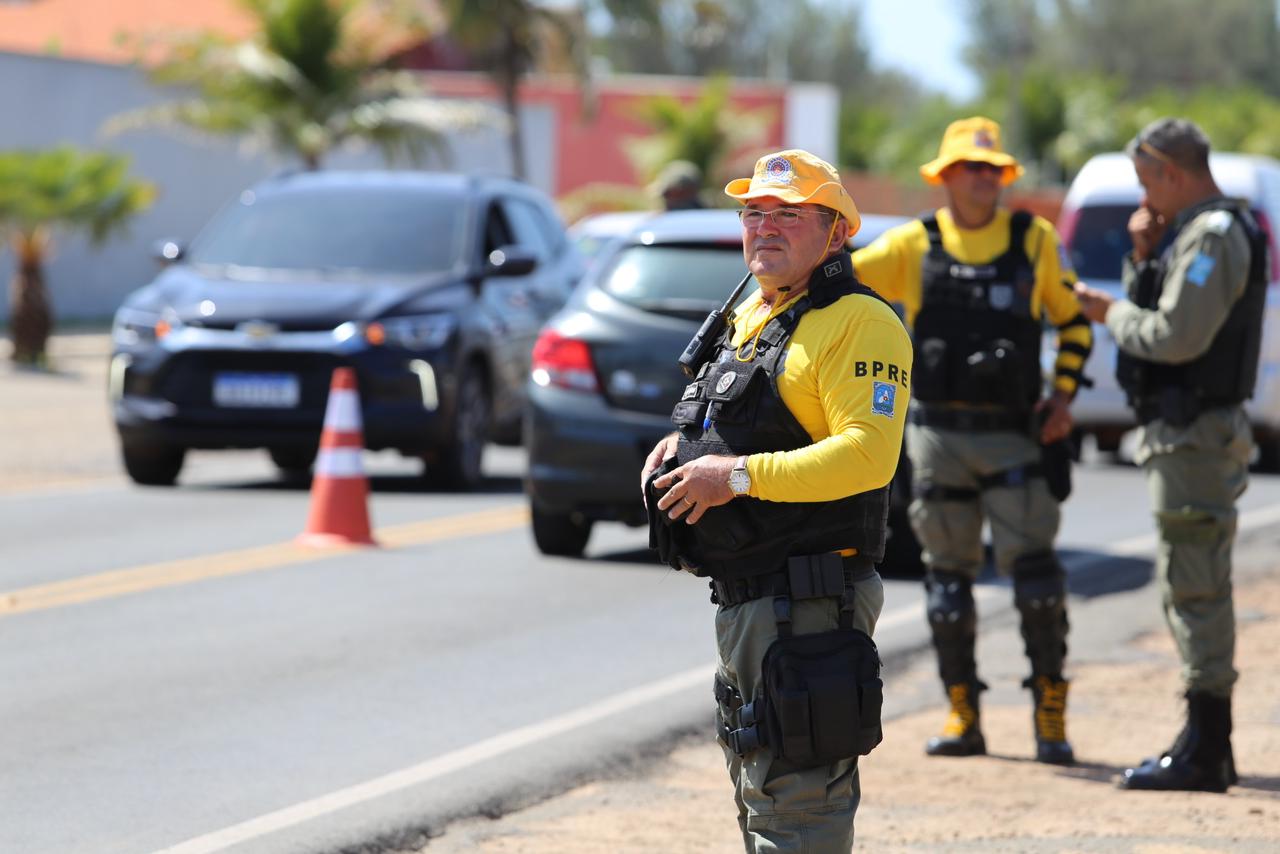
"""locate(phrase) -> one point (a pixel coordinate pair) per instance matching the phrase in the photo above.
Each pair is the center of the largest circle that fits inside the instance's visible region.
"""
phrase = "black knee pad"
(950, 603)
(1040, 594)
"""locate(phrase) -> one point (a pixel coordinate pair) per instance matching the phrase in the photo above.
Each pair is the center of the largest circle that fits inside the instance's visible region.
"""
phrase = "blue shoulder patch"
(882, 397)
(1199, 269)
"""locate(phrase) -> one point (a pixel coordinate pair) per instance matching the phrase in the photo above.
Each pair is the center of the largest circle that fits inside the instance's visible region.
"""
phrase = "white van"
(1094, 230)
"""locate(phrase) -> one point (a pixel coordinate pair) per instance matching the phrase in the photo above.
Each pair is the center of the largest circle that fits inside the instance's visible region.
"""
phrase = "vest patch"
(882, 397)
(1218, 222)
(1200, 268)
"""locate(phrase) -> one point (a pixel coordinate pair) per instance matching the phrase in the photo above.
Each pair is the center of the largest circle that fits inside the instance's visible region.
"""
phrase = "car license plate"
(270, 391)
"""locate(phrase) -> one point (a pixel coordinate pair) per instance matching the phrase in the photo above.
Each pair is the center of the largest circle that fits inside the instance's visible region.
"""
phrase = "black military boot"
(1050, 718)
(1200, 760)
(961, 734)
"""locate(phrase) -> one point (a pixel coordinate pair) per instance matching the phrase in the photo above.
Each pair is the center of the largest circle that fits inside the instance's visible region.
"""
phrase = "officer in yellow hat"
(976, 282)
(775, 487)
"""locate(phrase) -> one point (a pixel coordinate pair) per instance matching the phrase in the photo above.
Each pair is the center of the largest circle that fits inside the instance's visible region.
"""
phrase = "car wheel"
(153, 464)
(294, 463)
(560, 534)
(457, 465)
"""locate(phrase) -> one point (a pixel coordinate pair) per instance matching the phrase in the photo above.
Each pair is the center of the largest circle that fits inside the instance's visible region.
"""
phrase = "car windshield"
(678, 279)
(390, 231)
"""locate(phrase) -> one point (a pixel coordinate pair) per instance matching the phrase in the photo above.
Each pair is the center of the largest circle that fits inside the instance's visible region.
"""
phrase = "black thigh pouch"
(822, 697)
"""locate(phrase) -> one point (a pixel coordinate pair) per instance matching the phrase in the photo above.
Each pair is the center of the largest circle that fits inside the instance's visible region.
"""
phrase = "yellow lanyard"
(752, 337)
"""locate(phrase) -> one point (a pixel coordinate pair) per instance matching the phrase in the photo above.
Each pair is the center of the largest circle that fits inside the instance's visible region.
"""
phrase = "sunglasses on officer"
(781, 217)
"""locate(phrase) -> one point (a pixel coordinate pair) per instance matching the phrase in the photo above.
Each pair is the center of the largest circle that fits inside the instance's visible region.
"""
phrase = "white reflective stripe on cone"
(339, 462)
(342, 413)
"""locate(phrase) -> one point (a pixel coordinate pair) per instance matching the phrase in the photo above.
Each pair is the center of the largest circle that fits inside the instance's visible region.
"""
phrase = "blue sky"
(923, 38)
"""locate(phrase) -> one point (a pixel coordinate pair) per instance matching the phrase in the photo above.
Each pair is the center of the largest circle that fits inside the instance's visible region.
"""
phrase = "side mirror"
(167, 251)
(511, 261)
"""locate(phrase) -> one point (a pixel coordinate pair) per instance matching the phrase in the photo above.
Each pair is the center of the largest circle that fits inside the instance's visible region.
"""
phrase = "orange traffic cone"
(339, 489)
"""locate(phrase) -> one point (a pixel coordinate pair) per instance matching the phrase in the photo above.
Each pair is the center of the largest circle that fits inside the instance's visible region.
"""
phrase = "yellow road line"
(153, 576)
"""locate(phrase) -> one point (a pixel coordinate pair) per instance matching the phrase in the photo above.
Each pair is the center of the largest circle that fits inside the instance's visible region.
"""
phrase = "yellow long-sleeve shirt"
(846, 379)
(893, 265)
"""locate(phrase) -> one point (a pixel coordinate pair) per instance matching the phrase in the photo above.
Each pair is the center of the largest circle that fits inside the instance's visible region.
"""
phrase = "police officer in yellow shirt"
(976, 281)
(775, 487)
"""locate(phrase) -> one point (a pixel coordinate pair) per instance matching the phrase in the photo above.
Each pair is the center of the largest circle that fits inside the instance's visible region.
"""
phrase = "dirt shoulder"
(1124, 704)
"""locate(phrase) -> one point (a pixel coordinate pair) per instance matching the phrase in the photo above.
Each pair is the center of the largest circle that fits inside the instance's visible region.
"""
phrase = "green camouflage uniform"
(1194, 473)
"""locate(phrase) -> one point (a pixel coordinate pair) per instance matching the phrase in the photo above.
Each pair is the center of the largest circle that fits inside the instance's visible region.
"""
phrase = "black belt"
(806, 577)
(985, 420)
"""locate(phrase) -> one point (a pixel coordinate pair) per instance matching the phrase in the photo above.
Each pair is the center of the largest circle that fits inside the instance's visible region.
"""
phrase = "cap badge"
(779, 171)
(982, 139)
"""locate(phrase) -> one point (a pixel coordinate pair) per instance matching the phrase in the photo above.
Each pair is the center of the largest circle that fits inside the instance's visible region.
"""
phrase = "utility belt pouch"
(1178, 406)
(821, 697)
(670, 539)
(1055, 465)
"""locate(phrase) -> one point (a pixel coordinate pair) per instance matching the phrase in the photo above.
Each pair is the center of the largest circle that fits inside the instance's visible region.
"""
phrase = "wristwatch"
(739, 480)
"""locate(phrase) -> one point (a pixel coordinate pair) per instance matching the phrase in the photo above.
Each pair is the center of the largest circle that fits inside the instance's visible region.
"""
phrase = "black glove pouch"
(822, 697)
(669, 538)
(1055, 465)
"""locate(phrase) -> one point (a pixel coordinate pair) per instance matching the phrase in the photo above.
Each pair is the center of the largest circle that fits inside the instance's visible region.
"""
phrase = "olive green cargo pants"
(1024, 519)
(782, 808)
(1195, 474)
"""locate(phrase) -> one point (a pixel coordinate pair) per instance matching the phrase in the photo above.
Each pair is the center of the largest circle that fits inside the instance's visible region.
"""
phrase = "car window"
(391, 231)
(528, 231)
(675, 279)
(1100, 241)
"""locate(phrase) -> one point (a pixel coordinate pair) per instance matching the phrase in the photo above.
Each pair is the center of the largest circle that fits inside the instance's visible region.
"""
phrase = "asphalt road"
(177, 678)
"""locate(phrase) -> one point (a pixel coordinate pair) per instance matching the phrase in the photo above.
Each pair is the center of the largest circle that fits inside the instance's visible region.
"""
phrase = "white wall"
(812, 120)
(47, 101)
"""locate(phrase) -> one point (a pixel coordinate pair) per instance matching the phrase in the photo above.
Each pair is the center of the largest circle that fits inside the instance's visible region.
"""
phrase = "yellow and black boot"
(1050, 718)
(961, 734)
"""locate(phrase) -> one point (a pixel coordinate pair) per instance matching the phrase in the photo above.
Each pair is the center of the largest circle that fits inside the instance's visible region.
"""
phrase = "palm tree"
(66, 189)
(313, 78)
(706, 132)
(508, 37)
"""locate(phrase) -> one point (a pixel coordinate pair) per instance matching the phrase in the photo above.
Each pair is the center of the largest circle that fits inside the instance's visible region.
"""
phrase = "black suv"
(432, 286)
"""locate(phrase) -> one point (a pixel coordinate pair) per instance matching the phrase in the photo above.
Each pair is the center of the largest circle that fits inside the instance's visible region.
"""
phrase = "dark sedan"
(604, 375)
(433, 287)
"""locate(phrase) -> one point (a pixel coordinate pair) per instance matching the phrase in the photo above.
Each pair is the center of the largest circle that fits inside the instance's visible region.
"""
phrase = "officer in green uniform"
(775, 487)
(976, 282)
(1189, 337)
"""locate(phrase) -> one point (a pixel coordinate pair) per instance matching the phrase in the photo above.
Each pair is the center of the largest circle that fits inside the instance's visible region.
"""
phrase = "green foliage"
(705, 132)
(308, 82)
(89, 192)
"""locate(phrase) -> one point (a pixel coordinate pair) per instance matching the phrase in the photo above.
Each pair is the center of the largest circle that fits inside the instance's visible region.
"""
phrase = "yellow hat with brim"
(976, 138)
(798, 178)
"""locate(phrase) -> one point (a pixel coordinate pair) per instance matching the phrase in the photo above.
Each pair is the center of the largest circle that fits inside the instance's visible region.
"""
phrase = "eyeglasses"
(781, 217)
(977, 167)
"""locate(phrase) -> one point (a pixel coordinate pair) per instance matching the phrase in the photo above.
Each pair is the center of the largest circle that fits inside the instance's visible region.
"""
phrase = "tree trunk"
(30, 320)
(510, 83)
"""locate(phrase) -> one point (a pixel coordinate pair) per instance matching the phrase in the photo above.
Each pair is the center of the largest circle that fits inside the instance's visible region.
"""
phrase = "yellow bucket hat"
(799, 178)
(975, 138)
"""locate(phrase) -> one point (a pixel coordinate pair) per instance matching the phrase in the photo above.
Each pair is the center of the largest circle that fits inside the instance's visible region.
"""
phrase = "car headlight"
(419, 332)
(133, 326)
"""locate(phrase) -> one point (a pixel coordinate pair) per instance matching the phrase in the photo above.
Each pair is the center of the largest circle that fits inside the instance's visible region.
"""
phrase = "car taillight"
(563, 362)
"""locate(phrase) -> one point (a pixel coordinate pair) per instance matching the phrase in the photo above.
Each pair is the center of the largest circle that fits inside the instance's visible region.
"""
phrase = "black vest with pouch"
(976, 340)
(733, 408)
(1225, 374)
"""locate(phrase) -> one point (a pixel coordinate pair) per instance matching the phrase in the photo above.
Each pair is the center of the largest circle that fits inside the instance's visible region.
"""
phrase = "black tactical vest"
(734, 408)
(1225, 374)
(975, 337)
